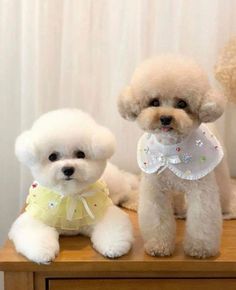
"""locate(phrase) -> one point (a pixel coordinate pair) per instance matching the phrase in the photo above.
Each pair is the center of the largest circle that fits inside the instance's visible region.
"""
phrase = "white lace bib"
(191, 159)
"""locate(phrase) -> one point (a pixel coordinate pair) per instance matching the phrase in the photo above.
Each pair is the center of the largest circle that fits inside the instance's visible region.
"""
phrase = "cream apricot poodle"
(170, 97)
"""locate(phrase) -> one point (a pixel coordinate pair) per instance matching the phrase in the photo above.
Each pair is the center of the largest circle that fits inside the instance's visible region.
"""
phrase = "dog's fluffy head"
(170, 94)
(65, 149)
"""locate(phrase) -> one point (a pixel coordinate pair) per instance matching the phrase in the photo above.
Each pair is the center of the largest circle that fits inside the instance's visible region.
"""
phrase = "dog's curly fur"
(65, 131)
(156, 88)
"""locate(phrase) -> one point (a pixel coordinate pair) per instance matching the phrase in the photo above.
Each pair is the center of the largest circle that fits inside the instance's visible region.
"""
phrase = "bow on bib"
(164, 161)
(68, 212)
(191, 159)
(73, 204)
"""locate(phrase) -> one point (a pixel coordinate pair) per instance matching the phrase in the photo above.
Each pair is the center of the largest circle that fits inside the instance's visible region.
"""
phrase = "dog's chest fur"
(167, 181)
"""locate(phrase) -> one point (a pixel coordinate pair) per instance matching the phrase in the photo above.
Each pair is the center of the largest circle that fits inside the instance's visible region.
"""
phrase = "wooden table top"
(77, 254)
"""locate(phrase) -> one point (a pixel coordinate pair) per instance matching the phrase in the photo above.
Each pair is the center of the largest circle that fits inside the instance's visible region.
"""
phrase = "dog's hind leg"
(226, 189)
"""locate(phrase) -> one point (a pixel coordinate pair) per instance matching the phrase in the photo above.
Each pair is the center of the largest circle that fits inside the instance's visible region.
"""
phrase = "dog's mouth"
(68, 178)
(166, 128)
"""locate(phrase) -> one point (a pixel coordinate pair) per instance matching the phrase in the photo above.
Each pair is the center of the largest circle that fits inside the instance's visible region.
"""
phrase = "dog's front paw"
(114, 249)
(199, 249)
(113, 235)
(160, 248)
(33, 239)
(43, 251)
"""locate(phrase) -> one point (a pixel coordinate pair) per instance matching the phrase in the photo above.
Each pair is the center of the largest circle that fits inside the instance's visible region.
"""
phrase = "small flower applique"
(203, 159)
(34, 185)
(186, 158)
(146, 150)
(178, 149)
(187, 172)
(52, 204)
(154, 158)
(199, 143)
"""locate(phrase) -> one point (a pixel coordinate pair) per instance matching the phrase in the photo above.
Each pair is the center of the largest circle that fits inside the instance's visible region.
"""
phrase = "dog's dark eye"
(53, 156)
(154, 103)
(79, 154)
(181, 104)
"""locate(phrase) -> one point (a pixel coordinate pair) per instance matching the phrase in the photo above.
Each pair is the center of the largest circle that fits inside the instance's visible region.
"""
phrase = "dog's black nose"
(68, 171)
(165, 120)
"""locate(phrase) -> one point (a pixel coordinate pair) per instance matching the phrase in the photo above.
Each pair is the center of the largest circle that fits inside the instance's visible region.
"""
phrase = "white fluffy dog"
(67, 152)
(170, 97)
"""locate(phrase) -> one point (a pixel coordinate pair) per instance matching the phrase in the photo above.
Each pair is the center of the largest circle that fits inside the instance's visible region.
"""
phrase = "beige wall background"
(80, 53)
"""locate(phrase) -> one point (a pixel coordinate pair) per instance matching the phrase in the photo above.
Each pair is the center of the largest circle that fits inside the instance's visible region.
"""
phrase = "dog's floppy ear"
(25, 149)
(126, 104)
(212, 107)
(103, 143)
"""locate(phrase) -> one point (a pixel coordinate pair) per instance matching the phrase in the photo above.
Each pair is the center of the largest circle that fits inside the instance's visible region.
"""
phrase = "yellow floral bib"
(68, 212)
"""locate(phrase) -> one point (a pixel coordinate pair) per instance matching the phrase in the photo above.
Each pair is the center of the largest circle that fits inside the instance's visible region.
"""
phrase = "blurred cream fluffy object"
(225, 69)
